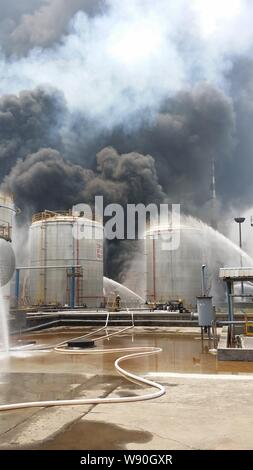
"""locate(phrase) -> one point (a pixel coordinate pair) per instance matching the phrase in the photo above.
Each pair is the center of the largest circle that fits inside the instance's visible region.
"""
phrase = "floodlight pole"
(239, 221)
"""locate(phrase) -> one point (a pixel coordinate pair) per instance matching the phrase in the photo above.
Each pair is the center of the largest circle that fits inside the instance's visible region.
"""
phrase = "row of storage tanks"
(63, 246)
(171, 274)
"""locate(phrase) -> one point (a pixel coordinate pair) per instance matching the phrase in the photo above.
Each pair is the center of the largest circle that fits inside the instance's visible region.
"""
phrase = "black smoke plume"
(28, 122)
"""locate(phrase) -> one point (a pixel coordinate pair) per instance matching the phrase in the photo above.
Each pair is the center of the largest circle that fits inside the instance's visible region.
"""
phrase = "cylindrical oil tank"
(7, 212)
(7, 262)
(174, 257)
(7, 258)
(54, 251)
(205, 311)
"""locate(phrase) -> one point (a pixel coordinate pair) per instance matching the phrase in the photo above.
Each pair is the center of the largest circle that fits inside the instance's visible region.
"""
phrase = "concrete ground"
(199, 411)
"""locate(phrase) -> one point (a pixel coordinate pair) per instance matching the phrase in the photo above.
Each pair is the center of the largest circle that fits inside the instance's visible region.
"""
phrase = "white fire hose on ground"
(135, 352)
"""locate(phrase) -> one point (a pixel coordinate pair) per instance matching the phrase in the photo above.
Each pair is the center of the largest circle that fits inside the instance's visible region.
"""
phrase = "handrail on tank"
(5, 232)
(6, 196)
(47, 214)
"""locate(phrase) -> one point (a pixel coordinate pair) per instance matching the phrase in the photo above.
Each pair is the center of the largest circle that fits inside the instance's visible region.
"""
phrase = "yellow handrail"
(248, 329)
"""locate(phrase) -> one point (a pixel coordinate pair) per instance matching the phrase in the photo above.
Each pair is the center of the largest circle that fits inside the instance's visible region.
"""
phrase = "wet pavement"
(47, 375)
(182, 348)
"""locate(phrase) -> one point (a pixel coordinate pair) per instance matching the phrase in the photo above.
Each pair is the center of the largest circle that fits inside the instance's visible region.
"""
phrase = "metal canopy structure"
(236, 274)
(231, 275)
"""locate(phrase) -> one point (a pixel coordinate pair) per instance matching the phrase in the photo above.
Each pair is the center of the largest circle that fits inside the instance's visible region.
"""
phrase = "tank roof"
(6, 197)
(53, 216)
(164, 228)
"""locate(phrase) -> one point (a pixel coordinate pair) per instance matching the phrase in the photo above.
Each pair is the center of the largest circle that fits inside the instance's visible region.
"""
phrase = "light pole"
(240, 220)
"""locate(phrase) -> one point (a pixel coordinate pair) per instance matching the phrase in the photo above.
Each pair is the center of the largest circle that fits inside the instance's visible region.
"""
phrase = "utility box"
(206, 314)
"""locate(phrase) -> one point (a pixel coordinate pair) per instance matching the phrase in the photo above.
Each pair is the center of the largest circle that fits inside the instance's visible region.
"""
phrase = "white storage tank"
(7, 258)
(7, 212)
(53, 250)
(174, 275)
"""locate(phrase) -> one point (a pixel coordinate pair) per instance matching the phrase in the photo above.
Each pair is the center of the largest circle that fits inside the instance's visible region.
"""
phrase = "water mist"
(4, 330)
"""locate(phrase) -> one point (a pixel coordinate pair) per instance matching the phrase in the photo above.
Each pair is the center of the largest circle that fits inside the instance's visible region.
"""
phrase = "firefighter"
(117, 302)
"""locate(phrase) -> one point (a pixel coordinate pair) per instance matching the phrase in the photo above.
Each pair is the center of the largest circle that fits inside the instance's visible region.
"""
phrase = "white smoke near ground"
(127, 58)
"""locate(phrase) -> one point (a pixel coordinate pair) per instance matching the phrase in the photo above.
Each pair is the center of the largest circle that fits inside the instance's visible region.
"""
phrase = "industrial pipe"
(73, 288)
(23, 268)
(36, 328)
(203, 282)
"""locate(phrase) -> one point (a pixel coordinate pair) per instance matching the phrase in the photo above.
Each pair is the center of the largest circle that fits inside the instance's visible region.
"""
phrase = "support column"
(17, 282)
(230, 300)
(229, 285)
(73, 288)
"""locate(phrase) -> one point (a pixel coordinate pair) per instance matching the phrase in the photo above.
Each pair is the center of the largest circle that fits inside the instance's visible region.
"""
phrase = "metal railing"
(248, 326)
(5, 232)
(45, 215)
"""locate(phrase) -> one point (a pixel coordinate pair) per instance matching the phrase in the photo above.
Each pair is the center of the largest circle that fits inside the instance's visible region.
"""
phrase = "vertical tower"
(213, 184)
(214, 208)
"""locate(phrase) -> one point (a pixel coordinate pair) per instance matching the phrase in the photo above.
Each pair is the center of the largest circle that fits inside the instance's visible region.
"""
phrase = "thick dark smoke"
(127, 178)
(27, 123)
(44, 180)
(191, 130)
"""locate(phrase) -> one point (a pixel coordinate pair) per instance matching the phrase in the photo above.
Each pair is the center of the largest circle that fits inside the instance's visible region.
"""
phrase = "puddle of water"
(181, 353)
(17, 387)
(45, 375)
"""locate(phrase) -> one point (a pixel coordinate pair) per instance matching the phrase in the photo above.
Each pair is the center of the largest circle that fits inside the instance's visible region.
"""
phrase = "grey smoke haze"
(11, 16)
(12, 10)
(131, 100)
(38, 23)
(120, 63)
(237, 181)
